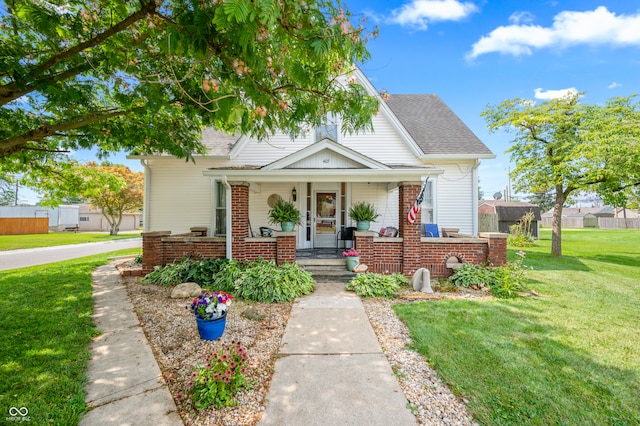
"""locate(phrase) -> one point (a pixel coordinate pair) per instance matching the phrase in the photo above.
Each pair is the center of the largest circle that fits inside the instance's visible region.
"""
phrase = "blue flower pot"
(363, 225)
(212, 329)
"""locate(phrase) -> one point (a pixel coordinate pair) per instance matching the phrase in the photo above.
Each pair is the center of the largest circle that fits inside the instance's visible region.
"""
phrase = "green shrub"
(204, 272)
(229, 274)
(265, 282)
(503, 281)
(377, 285)
(169, 274)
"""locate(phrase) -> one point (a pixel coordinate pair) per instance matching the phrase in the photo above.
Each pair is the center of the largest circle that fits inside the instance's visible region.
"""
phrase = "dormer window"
(328, 129)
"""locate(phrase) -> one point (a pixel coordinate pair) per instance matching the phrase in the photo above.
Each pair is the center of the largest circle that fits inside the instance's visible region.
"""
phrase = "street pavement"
(38, 256)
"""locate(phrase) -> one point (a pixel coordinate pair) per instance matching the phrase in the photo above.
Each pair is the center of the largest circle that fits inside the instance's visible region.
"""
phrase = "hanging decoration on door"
(417, 205)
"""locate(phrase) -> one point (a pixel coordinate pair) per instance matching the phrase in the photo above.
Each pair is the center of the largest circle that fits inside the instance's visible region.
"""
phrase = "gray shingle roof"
(434, 127)
(429, 121)
(217, 142)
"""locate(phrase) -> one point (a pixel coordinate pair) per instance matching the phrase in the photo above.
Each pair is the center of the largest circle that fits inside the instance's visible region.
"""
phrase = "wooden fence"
(487, 222)
(618, 223)
(24, 225)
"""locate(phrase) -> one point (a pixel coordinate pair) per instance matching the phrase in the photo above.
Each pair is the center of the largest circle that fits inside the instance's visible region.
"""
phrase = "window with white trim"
(428, 205)
(220, 209)
(328, 129)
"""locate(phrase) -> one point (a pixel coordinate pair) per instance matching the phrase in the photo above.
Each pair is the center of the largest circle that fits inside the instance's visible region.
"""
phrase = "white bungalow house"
(226, 193)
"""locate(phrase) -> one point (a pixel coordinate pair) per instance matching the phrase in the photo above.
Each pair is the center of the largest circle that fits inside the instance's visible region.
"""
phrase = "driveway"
(39, 256)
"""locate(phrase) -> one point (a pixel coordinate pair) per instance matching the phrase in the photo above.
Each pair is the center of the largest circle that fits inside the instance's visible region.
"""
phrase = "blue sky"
(475, 53)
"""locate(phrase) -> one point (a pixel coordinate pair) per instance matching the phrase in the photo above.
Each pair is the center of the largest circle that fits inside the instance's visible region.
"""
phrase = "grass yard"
(15, 242)
(570, 357)
(45, 330)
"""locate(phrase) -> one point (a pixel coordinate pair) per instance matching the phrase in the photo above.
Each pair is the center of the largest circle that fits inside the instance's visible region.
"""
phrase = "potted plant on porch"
(363, 213)
(286, 214)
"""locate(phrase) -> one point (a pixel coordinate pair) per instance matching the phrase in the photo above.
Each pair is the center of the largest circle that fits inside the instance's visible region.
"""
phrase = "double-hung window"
(220, 209)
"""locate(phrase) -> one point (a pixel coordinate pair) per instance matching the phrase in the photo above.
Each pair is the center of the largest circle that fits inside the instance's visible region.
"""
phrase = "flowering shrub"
(350, 253)
(216, 382)
(210, 306)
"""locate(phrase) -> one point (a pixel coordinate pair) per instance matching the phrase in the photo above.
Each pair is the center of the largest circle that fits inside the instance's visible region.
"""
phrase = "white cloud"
(593, 27)
(553, 94)
(614, 85)
(517, 18)
(419, 13)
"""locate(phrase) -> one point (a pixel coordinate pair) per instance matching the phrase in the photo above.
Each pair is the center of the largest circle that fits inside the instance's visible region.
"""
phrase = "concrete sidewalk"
(332, 370)
(125, 385)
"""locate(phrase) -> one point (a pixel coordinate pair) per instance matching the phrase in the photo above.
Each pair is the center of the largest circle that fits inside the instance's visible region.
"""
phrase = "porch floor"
(319, 253)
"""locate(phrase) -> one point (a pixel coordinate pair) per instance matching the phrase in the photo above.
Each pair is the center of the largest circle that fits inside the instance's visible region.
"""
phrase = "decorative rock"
(422, 281)
(254, 313)
(185, 290)
(361, 267)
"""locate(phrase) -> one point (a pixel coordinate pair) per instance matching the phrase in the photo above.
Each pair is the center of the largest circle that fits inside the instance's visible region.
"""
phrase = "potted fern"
(286, 214)
(363, 213)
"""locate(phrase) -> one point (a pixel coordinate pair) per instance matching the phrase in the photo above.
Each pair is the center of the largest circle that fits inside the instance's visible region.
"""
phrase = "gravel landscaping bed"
(172, 333)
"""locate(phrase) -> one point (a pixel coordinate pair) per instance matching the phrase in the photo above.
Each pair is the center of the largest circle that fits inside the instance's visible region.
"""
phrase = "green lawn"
(570, 357)
(14, 242)
(45, 330)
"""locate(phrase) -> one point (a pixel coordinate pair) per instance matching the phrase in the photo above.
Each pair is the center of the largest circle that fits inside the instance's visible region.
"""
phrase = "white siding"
(384, 201)
(259, 208)
(326, 159)
(180, 196)
(454, 202)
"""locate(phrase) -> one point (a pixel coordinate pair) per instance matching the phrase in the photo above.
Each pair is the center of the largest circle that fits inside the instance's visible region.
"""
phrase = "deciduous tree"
(113, 202)
(145, 76)
(564, 146)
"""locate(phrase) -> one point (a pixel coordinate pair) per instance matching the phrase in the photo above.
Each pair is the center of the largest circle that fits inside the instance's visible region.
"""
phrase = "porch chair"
(389, 231)
(345, 234)
(431, 230)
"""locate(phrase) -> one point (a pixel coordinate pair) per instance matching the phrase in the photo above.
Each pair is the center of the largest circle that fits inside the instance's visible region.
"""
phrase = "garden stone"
(254, 313)
(185, 290)
(422, 281)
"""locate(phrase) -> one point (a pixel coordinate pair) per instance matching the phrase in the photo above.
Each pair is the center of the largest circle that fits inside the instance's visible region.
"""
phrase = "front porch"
(406, 253)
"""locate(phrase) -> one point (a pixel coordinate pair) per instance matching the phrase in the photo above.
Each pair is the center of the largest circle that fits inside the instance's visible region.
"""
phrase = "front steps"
(327, 270)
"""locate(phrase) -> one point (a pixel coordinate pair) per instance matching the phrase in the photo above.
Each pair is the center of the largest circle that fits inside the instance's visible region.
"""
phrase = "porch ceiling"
(326, 175)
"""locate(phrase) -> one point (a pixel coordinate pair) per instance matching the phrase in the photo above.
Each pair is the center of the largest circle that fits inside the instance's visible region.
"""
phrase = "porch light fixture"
(294, 193)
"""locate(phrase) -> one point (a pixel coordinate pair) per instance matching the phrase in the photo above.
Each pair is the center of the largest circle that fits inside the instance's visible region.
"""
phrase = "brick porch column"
(239, 218)
(285, 247)
(364, 246)
(153, 250)
(497, 245)
(410, 233)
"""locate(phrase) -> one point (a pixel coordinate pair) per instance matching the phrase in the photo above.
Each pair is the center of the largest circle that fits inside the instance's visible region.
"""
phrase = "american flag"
(413, 213)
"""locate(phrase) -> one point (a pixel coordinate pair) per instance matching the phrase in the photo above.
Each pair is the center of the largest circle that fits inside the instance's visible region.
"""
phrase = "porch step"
(327, 270)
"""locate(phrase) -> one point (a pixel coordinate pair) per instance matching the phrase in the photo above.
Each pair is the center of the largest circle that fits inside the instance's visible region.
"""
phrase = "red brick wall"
(435, 253)
(286, 251)
(410, 233)
(381, 255)
(497, 253)
(260, 249)
(239, 218)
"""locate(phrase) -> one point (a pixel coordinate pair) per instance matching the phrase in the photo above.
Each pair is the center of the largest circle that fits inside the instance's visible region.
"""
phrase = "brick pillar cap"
(156, 234)
(365, 233)
(285, 234)
(493, 235)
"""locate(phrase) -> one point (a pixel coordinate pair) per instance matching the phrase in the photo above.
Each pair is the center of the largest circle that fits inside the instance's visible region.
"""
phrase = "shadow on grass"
(622, 260)
(546, 262)
(514, 369)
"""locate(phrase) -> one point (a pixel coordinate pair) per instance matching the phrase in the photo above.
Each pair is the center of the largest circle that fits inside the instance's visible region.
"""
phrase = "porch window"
(428, 204)
(220, 209)
(328, 129)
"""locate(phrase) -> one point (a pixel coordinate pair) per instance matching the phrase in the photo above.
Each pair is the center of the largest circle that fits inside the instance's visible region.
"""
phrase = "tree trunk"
(556, 223)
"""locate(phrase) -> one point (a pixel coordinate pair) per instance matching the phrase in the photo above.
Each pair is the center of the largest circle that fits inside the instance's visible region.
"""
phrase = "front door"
(325, 218)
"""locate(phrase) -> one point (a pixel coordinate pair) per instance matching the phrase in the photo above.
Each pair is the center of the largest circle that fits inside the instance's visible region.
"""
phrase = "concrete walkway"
(332, 370)
(125, 385)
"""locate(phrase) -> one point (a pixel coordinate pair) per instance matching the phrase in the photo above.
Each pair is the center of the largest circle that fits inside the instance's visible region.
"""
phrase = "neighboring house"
(93, 220)
(579, 217)
(504, 214)
(416, 138)
(59, 218)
